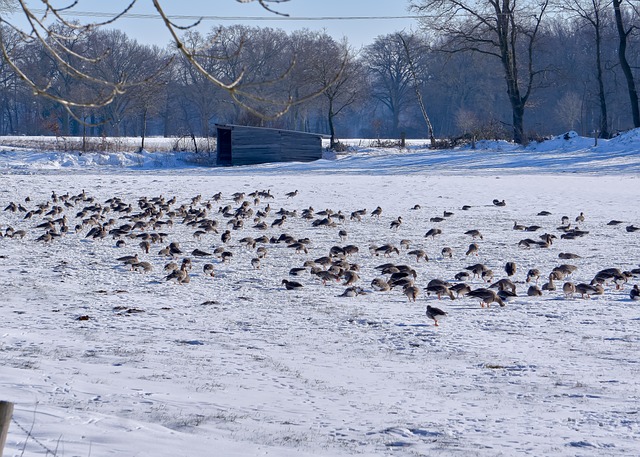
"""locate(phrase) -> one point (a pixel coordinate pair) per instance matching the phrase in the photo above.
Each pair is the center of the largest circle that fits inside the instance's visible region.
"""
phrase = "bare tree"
(40, 29)
(620, 7)
(593, 13)
(390, 71)
(505, 29)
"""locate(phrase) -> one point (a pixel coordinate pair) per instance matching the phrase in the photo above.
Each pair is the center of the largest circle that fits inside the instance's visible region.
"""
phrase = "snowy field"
(100, 359)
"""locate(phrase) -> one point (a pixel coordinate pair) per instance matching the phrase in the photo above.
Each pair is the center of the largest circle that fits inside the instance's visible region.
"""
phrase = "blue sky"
(358, 32)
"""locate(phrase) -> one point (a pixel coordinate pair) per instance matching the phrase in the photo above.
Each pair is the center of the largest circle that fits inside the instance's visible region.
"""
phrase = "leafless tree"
(41, 29)
(505, 29)
(626, 17)
(594, 14)
(390, 71)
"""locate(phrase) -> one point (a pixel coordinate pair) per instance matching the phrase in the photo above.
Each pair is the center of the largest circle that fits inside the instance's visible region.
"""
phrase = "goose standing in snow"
(486, 296)
(435, 314)
(635, 293)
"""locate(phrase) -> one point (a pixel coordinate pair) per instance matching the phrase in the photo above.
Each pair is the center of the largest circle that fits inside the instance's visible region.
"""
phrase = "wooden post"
(6, 411)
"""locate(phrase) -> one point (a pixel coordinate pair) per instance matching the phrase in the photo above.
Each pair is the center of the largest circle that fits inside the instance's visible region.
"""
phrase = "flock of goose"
(148, 226)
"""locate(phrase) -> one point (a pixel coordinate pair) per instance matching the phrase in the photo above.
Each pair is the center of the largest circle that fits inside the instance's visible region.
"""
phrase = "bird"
(420, 254)
(569, 289)
(440, 289)
(474, 234)
(473, 249)
(435, 314)
(534, 291)
(350, 277)
(635, 293)
(376, 212)
(486, 296)
(380, 284)
(507, 295)
(208, 269)
(447, 252)
(461, 289)
(255, 263)
(292, 194)
(411, 292)
(586, 290)
(351, 292)
(291, 285)
(549, 285)
(499, 202)
(534, 273)
(433, 233)
(396, 223)
(510, 268)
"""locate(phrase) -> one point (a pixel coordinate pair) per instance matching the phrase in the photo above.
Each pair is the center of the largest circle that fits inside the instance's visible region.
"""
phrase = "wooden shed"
(240, 145)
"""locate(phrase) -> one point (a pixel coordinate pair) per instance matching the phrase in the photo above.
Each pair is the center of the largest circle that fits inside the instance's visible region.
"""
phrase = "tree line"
(536, 74)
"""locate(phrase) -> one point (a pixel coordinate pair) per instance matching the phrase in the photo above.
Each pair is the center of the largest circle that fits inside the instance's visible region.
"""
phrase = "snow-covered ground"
(102, 360)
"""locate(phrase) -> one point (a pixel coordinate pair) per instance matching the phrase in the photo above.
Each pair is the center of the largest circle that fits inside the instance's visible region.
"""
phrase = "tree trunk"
(144, 128)
(624, 64)
(604, 117)
(332, 129)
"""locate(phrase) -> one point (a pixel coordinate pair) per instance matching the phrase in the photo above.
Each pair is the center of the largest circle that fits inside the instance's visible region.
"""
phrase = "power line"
(96, 14)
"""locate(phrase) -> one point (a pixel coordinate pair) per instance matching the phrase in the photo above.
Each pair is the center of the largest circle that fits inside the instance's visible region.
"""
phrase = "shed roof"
(294, 132)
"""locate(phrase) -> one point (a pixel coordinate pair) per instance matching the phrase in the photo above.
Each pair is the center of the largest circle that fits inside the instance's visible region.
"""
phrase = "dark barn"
(239, 145)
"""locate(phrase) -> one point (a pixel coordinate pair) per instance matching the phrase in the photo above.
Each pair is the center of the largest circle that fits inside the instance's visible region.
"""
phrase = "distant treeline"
(371, 92)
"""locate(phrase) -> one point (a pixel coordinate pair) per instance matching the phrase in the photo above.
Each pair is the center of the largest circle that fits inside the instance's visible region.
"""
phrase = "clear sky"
(359, 32)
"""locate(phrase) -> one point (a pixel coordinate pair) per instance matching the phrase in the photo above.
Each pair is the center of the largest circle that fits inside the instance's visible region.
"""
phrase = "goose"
(461, 289)
(473, 249)
(517, 226)
(411, 291)
(291, 285)
(534, 291)
(569, 289)
(568, 256)
(435, 314)
(486, 296)
(534, 273)
(477, 269)
(507, 295)
(380, 284)
(549, 285)
(146, 267)
(474, 234)
(497, 202)
(350, 292)
(376, 212)
(635, 293)
(208, 269)
(440, 290)
(462, 276)
(503, 284)
(510, 268)
(396, 223)
(350, 277)
(433, 233)
(292, 194)
(447, 252)
(255, 263)
(585, 290)
(420, 254)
